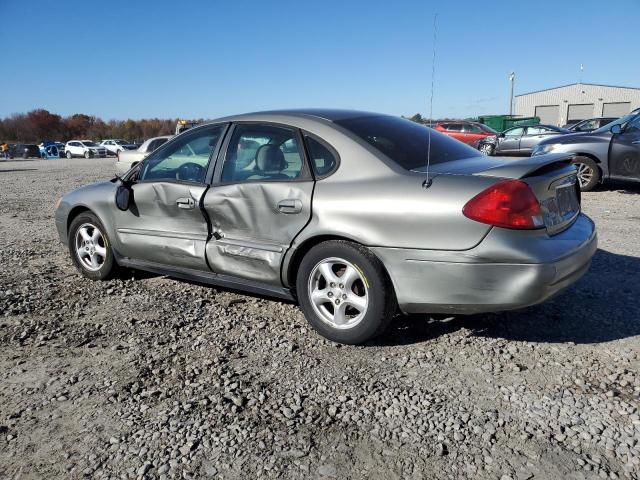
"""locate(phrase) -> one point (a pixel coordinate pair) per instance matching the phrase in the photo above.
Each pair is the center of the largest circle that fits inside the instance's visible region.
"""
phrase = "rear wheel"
(588, 173)
(68, 155)
(90, 248)
(344, 292)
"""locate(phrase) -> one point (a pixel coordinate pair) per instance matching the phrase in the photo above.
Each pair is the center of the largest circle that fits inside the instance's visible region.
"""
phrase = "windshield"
(486, 128)
(89, 144)
(622, 121)
(120, 142)
(406, 142)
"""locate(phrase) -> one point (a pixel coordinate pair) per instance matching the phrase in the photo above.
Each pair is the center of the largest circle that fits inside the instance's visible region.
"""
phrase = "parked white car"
(129, 158)
(84, 148)
(114, 146)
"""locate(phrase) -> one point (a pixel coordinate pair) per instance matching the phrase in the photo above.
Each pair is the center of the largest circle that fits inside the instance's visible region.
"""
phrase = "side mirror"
(124, 196)
(616, 129)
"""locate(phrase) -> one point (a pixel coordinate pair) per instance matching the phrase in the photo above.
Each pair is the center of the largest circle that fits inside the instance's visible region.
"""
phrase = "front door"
(259, 201)
(165, 223)
(624, 153)
(509, 142)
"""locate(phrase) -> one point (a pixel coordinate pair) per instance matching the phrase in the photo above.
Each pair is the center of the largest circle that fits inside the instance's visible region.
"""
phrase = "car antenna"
(427, 182)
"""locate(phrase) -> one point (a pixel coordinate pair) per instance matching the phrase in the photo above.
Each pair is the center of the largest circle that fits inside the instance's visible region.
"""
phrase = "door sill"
(209, 278)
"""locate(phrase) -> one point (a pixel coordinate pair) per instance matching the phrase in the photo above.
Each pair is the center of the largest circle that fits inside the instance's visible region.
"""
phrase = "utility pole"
(512, 77)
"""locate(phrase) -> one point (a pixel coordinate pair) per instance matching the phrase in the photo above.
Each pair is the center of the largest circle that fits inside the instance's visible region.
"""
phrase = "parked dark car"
(610, 152)
(589, 125)
(24, 150)
(518, 141)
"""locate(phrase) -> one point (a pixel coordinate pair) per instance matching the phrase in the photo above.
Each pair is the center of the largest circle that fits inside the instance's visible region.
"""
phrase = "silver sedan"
(353, 215)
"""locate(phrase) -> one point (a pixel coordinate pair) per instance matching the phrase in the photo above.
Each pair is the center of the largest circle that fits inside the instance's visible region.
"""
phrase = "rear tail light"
(508, 204)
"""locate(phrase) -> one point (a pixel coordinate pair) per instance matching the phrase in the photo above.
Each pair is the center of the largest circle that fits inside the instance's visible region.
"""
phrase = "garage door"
(548, 114)
(580, 112)
(616, 109)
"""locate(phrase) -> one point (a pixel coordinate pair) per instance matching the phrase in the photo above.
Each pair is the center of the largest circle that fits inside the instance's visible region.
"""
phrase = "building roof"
(572, 84)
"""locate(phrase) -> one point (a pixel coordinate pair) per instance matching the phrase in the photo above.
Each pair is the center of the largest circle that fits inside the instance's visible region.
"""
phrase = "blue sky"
(135, 59)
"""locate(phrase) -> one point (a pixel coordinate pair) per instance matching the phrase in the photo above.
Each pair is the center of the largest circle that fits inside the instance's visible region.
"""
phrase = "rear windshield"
(406, 142)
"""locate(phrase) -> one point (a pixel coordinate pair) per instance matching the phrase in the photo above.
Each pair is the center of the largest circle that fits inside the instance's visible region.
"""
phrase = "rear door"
(259, 201)
(164, 224)
(510, 141)
(624, 153)
(533, 136)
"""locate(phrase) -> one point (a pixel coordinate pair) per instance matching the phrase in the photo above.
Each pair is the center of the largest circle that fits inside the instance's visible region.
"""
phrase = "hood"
(576, 138)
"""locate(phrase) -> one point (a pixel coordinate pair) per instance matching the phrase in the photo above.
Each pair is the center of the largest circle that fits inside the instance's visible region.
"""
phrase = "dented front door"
(253, 226)
(164, 225)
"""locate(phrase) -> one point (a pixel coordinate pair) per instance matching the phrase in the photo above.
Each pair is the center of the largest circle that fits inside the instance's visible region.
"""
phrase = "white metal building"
(578, 101)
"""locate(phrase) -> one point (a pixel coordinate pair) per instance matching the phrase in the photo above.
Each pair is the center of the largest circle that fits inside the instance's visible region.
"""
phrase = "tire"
(367, 286)
(487, 149)
(68, 155)
(98, 247)
(588, 173)
(87, 155)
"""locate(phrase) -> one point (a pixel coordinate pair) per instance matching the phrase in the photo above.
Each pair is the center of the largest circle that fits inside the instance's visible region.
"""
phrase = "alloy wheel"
(90, 246)
(585, 174)
(338, 293)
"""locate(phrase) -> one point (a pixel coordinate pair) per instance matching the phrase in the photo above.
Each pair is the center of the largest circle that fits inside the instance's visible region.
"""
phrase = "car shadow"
(626, 188)
(18, 170)
(601, 307)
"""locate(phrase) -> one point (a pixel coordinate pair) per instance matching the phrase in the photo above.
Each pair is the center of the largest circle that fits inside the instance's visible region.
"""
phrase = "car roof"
(327, 114)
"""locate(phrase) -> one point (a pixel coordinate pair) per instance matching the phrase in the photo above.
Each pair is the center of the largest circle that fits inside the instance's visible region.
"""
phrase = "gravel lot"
(147, 377)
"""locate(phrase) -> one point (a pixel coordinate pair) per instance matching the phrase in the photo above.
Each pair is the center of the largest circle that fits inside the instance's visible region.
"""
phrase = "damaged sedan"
(354, 215)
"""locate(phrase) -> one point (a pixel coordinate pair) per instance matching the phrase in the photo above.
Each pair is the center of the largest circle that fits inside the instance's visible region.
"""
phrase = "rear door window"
(323, 160)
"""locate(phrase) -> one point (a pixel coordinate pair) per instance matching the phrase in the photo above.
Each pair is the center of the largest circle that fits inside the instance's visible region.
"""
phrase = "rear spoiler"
(527, 166)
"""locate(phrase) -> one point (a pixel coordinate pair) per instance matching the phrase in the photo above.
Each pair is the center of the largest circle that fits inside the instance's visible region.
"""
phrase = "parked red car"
(466, 132)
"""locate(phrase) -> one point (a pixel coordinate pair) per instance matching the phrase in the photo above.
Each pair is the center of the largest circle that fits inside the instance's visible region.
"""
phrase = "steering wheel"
(191, 172)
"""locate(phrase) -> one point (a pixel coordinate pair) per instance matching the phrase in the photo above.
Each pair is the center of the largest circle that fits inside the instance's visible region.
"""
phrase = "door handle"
(186, 203)
(290, 205)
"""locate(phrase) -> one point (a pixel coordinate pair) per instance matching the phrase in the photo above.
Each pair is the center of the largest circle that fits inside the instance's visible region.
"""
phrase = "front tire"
(90, 248)
(344, 292)
(87, 155)
(486, 149)
(588, 173)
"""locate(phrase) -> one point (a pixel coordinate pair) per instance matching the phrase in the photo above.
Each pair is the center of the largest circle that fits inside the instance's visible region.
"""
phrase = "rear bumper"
(508, 270)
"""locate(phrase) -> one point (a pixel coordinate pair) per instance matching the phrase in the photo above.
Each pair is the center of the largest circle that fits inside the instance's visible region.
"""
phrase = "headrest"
(270, 159)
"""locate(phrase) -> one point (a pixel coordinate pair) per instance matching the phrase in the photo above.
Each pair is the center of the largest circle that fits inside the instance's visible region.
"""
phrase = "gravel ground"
(147, 377)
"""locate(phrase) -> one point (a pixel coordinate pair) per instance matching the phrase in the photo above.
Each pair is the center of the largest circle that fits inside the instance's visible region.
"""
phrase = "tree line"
(38, 125)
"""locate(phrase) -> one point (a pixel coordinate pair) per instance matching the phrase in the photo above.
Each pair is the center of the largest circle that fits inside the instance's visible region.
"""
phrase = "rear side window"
(323, 160)
(406, 142)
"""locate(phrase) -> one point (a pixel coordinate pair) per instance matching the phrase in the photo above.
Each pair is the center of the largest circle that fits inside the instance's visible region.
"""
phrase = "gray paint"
(438, 259)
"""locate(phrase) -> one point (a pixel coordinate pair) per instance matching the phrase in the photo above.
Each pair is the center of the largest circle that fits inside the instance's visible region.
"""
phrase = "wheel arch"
(588, 155)
(74, 212)
(290, 269)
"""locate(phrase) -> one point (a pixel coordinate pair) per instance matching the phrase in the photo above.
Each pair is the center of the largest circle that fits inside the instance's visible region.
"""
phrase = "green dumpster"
(501, 122)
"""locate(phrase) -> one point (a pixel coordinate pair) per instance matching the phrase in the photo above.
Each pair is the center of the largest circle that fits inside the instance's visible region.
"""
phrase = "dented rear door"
(259, 201)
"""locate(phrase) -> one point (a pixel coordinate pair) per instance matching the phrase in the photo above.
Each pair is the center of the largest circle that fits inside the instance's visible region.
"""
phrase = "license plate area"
(562, 206)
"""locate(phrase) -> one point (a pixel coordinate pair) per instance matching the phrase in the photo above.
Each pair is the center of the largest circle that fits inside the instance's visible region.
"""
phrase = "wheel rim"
(486, 149)
(338, 293)
(585, 174)
(91, 248)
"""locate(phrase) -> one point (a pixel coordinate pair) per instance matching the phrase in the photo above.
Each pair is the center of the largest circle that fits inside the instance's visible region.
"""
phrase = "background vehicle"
(610, 152)
(184, 125)
(589, 125)
(115, 146)
(244, 219)
(466, 132)
(51, 149)
(518, 141)
(500, 123)
(84, 148)
(24, 150)
(129, 158)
